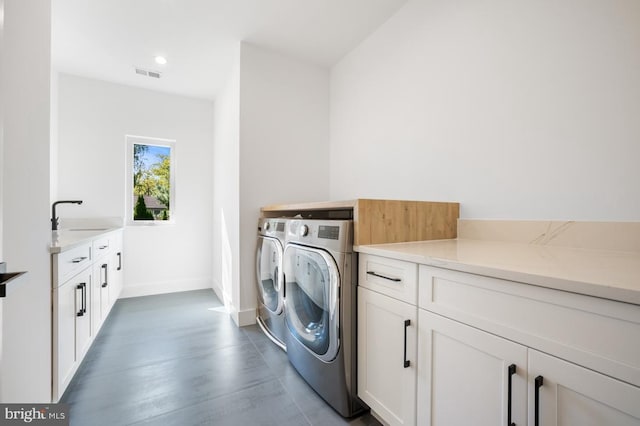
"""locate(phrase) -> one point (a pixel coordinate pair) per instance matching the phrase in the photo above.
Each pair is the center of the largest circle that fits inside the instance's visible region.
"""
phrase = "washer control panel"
(329, 232)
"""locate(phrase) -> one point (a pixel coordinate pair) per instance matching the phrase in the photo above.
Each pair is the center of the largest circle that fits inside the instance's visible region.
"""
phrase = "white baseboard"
(242, 318)
(217, 289)
(163, 287)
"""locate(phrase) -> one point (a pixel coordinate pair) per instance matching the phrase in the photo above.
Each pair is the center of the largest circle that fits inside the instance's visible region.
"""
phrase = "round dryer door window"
(269, 273)
(311, 308)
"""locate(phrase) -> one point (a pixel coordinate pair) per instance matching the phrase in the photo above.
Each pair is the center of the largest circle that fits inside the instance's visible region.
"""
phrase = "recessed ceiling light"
(161, 60)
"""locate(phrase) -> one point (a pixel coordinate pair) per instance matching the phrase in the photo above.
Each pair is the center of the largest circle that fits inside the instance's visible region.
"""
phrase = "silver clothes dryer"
(320, 310)
(269, 279)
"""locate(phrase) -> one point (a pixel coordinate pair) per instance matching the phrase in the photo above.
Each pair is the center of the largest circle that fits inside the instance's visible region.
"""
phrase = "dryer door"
(269, 274)
(311, 311)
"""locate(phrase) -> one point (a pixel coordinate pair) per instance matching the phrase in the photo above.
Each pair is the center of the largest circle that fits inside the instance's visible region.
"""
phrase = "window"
(150, 180)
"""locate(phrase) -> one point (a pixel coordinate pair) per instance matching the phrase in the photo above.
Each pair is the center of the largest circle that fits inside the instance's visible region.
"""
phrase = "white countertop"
(601, 273)
(65, 239)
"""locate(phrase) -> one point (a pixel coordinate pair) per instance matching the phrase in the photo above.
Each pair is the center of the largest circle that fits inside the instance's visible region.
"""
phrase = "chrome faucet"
(54, 219)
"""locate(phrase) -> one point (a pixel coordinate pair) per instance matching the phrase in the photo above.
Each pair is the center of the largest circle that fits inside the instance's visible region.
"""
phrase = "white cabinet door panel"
(65, 332)
(573, 395)
(384, 383)
(463, 375)
(83, 319)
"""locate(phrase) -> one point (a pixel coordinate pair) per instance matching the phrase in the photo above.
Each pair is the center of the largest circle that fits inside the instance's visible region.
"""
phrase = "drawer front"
(101, 246)
(599, 334)
(67, 263)
(394, 278)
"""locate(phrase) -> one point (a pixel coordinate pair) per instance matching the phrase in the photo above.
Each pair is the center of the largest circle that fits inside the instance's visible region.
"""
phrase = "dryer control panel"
(329, 232)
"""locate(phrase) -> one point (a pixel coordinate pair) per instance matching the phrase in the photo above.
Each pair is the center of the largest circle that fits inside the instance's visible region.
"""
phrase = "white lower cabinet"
(492, 352)
(100, 300)
(468, 376)
(81, 303)
(116, 272)
(387, 356)
(569, 394)
(72, 327)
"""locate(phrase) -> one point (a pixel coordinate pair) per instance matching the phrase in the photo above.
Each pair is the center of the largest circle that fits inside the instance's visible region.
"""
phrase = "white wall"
(271, 146)
(226, 190)
(53, 139)
(1, 163)
(284, 144)
(25, 87)
(94, 117)
(519, 110)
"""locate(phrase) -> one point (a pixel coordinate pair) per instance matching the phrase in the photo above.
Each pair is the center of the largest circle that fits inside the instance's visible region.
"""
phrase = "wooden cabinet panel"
(381, 221)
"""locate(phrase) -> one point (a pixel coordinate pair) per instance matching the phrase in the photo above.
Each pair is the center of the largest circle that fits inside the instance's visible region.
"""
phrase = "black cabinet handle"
(407, 363)
(78, 259)
(539, 381)
(375, 274)
(82, 287)
(103, 247)
(119, 261)
(106, 281)
(511, 370)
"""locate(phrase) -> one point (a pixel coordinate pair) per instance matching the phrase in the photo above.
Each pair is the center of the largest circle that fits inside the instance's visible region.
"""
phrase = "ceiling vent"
(148, 73)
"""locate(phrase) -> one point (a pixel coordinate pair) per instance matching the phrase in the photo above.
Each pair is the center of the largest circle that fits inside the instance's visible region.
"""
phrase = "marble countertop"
(68, 238)
(607, 274)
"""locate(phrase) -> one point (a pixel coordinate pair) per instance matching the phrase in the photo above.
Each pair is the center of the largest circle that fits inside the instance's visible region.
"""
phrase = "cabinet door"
(82, 284)
(64, 335)
(115, 275)
(464, 375)
(573, 395)
(387, 356)
(99, 294)
(105, 288)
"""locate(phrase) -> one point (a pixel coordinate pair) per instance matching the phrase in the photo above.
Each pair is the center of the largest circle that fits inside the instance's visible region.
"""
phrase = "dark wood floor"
(177, 359)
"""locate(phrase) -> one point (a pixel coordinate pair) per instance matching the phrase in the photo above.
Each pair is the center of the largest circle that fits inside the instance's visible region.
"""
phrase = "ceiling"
(107, 39)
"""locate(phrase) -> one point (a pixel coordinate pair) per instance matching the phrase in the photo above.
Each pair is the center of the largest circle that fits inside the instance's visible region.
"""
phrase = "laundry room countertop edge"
(605, 274)
(65, 239)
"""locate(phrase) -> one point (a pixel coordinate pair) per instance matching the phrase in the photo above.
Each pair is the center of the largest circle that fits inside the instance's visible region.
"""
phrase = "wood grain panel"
(436, 221)
(394, 221)
(381, 221)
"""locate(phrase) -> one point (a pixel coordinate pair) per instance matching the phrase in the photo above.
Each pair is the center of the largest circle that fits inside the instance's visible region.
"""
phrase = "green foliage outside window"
(152, 182)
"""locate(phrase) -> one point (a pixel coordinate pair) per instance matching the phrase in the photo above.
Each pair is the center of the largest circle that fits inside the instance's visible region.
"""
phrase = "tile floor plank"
(178, 359)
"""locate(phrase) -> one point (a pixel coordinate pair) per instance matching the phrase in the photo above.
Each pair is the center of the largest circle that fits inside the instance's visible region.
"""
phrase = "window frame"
(130, 141)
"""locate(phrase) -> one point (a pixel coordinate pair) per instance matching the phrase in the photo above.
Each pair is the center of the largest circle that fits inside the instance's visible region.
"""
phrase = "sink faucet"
(54, 219)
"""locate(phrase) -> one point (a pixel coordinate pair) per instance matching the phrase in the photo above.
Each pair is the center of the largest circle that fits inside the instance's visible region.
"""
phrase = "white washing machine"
(320, 311)
(269, 278)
